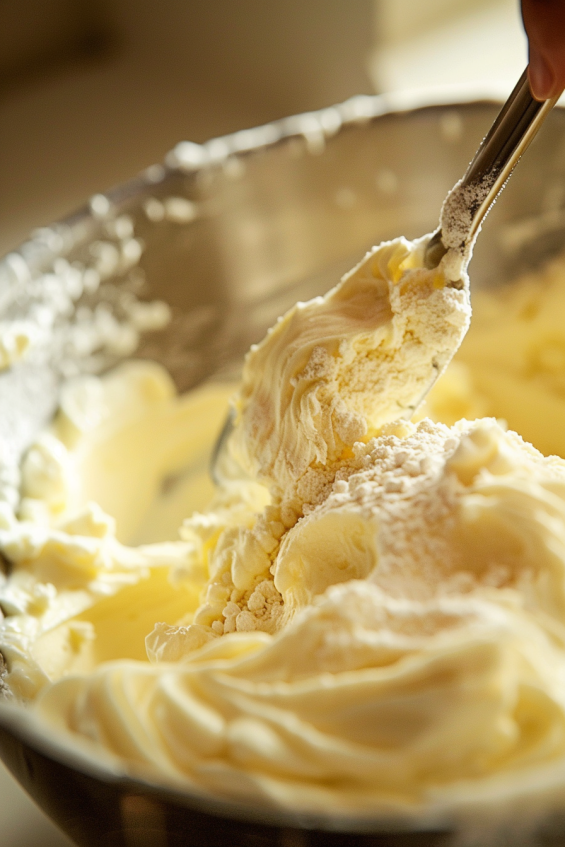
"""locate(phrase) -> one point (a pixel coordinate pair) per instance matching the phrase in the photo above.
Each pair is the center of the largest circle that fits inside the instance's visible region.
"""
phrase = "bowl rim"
(23, 726)
(189, 159)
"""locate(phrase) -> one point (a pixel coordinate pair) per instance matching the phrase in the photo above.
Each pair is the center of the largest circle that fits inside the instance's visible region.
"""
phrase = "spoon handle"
(510, 135)
(514, 128)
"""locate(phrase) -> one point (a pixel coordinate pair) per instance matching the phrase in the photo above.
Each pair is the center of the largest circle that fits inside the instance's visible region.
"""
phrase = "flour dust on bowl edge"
(188, 265)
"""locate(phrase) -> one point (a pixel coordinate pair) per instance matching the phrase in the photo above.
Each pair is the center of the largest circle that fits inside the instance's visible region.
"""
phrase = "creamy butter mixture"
(369, 617)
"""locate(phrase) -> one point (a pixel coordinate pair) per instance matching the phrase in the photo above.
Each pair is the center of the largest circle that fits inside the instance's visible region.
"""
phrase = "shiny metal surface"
(274, 215)
(508, 138)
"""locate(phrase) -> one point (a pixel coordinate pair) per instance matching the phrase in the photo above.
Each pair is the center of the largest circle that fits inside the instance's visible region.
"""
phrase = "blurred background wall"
(93, 91)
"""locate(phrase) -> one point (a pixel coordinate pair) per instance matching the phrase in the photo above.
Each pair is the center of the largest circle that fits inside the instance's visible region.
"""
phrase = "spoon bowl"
(463, 211)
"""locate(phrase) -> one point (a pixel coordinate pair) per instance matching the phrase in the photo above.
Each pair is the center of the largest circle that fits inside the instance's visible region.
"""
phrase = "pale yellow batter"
(371, 618)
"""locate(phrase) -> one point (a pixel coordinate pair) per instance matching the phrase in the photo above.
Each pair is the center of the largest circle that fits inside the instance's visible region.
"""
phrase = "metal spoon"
(469, 201)
(513, 130)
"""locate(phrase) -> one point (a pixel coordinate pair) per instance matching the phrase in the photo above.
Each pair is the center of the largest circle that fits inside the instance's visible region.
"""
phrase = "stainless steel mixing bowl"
(230, 234)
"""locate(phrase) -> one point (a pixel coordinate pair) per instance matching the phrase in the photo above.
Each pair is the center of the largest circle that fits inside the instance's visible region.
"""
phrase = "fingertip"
(541, 76)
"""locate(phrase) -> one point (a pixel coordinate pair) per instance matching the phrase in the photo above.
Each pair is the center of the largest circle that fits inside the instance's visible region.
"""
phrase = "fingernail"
(540, 75)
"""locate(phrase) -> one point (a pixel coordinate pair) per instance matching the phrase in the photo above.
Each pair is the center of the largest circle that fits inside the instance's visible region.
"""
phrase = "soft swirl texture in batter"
(427, 649)
(369, 619)
(333, 370)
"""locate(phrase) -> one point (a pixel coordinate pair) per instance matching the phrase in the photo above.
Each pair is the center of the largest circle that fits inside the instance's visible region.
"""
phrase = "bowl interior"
(229, 235)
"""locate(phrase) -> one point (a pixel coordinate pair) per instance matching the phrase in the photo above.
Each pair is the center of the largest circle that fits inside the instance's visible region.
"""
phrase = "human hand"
(544, 21)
